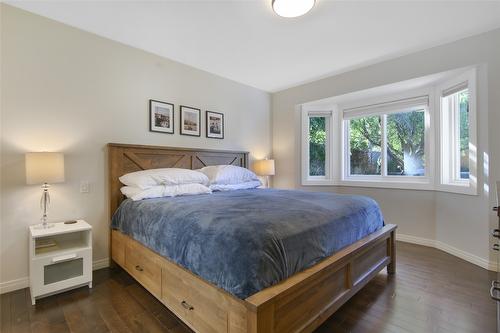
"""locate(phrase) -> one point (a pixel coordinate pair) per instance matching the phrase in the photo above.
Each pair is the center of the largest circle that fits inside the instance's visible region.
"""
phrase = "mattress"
(247, 240)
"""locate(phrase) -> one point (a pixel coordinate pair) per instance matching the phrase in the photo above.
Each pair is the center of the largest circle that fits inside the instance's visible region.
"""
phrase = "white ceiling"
(246, 42)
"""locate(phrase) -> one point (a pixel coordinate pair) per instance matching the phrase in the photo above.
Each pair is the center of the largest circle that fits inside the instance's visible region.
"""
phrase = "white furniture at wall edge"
(60, 258)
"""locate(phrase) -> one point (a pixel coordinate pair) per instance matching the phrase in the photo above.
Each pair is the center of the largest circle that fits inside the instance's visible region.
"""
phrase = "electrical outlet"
(84, 186)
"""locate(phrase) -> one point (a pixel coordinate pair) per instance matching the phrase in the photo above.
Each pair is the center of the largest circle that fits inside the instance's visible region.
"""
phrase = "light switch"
(84, 186)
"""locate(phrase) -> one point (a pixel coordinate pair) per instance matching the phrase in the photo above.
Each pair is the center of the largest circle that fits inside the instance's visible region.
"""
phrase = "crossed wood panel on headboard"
(125, 158)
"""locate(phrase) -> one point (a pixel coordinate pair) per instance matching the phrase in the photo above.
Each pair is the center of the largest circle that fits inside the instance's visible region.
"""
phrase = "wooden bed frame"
(298, 304)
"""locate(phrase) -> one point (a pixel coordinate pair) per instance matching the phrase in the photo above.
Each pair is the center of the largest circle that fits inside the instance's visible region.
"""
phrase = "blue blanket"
(244, 241)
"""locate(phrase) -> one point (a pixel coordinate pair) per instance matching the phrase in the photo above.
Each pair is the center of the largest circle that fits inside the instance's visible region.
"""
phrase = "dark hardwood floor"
(431, 292)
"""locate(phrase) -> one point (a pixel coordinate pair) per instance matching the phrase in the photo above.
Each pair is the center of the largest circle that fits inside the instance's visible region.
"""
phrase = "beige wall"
(457, 221)
(68, 90)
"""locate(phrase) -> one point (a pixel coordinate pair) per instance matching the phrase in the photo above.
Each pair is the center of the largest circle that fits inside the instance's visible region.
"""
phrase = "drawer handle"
(496, 247)
(64, 258)
(187, 306)
(139, 268)
(496, 233)
(494, 286)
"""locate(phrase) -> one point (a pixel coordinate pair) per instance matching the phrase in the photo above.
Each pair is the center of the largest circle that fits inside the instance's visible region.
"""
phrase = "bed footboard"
(305, 300)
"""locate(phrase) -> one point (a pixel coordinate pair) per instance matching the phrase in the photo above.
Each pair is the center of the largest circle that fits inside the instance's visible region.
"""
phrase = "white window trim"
(383, 106)
(444, 183)
(331, 148)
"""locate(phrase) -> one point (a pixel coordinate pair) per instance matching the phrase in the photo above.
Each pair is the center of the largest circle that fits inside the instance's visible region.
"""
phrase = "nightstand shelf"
(63, 243)
(60, 258)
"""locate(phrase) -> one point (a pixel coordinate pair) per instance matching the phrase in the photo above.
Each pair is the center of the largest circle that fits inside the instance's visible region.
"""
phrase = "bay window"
(415, 139)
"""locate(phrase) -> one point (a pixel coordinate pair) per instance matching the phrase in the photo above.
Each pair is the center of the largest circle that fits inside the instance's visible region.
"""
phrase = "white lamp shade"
(44, 168)
(264, 167)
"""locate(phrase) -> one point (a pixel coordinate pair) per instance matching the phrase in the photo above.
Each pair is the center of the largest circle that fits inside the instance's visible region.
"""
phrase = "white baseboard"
(101, 263)
(473, 259)
(415, 240)
(12, 285)
(24, 282)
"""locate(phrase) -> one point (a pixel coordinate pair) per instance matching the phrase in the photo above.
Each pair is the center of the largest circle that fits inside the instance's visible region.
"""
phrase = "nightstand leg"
(90, 284)
(33, 300)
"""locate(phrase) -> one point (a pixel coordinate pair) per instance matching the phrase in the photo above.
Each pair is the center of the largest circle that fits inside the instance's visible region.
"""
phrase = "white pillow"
(130, 191)
(161, 191)
(228, 174)
(167, 176)
(232, 187)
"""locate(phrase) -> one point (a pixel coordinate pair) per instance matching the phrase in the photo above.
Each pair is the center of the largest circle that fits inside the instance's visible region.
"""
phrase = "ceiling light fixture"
(292, 8)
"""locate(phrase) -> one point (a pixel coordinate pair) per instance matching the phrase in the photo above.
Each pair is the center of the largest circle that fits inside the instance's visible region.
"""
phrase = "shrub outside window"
(406, 143)
(317, 146)
(365, 143)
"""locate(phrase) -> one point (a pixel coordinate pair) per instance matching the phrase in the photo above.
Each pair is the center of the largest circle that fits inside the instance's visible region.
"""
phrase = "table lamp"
(264, 168)
(44, 168)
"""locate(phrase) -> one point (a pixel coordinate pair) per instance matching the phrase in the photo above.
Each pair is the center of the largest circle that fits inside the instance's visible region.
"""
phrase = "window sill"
(318, 182)
(420, 185)
(407, 184)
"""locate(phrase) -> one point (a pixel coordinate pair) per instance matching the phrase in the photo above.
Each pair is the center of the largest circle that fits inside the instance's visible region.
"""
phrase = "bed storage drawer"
(142, 264)
(204, 309)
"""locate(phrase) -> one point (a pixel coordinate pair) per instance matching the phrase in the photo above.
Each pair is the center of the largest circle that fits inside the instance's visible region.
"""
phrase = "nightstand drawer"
(52, 273)
(141, 264)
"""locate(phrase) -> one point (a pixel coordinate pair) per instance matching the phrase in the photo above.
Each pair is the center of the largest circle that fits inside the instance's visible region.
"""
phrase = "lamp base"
(44, 204)
(44, 225)
(266, 185)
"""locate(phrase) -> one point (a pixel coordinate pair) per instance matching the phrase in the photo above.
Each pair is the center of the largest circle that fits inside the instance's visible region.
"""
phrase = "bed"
(265, 269)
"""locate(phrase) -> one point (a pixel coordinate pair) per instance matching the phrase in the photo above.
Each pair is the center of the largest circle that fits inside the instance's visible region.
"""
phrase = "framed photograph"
(190, 121)
(161, 117)
(215, 125)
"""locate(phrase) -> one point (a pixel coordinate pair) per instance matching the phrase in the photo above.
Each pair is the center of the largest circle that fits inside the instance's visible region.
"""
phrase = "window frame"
(449, 181)
(330, 148)
(381, 107)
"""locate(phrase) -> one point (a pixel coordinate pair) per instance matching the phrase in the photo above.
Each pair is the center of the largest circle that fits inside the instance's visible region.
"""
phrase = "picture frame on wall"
(161, 117)
(215, 125)
(190, 121)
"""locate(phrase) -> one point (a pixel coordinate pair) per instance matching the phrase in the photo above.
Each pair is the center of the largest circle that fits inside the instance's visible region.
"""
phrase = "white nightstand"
(60, 258)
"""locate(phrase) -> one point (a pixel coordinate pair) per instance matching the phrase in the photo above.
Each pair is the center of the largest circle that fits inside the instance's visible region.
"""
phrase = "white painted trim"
(101, 263)
(16, 284)
(473, 259)
(24, 282)
(413, 183)
(447, 181)
(330, 148)
(415, 240)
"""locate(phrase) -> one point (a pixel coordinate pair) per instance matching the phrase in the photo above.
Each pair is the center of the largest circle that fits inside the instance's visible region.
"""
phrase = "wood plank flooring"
(431, 292)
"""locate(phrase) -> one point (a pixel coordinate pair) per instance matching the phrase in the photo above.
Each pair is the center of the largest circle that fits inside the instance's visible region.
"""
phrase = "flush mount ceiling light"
(292, 8)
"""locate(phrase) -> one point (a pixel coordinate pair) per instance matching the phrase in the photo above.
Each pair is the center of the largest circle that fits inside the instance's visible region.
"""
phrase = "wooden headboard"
(125, 158)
